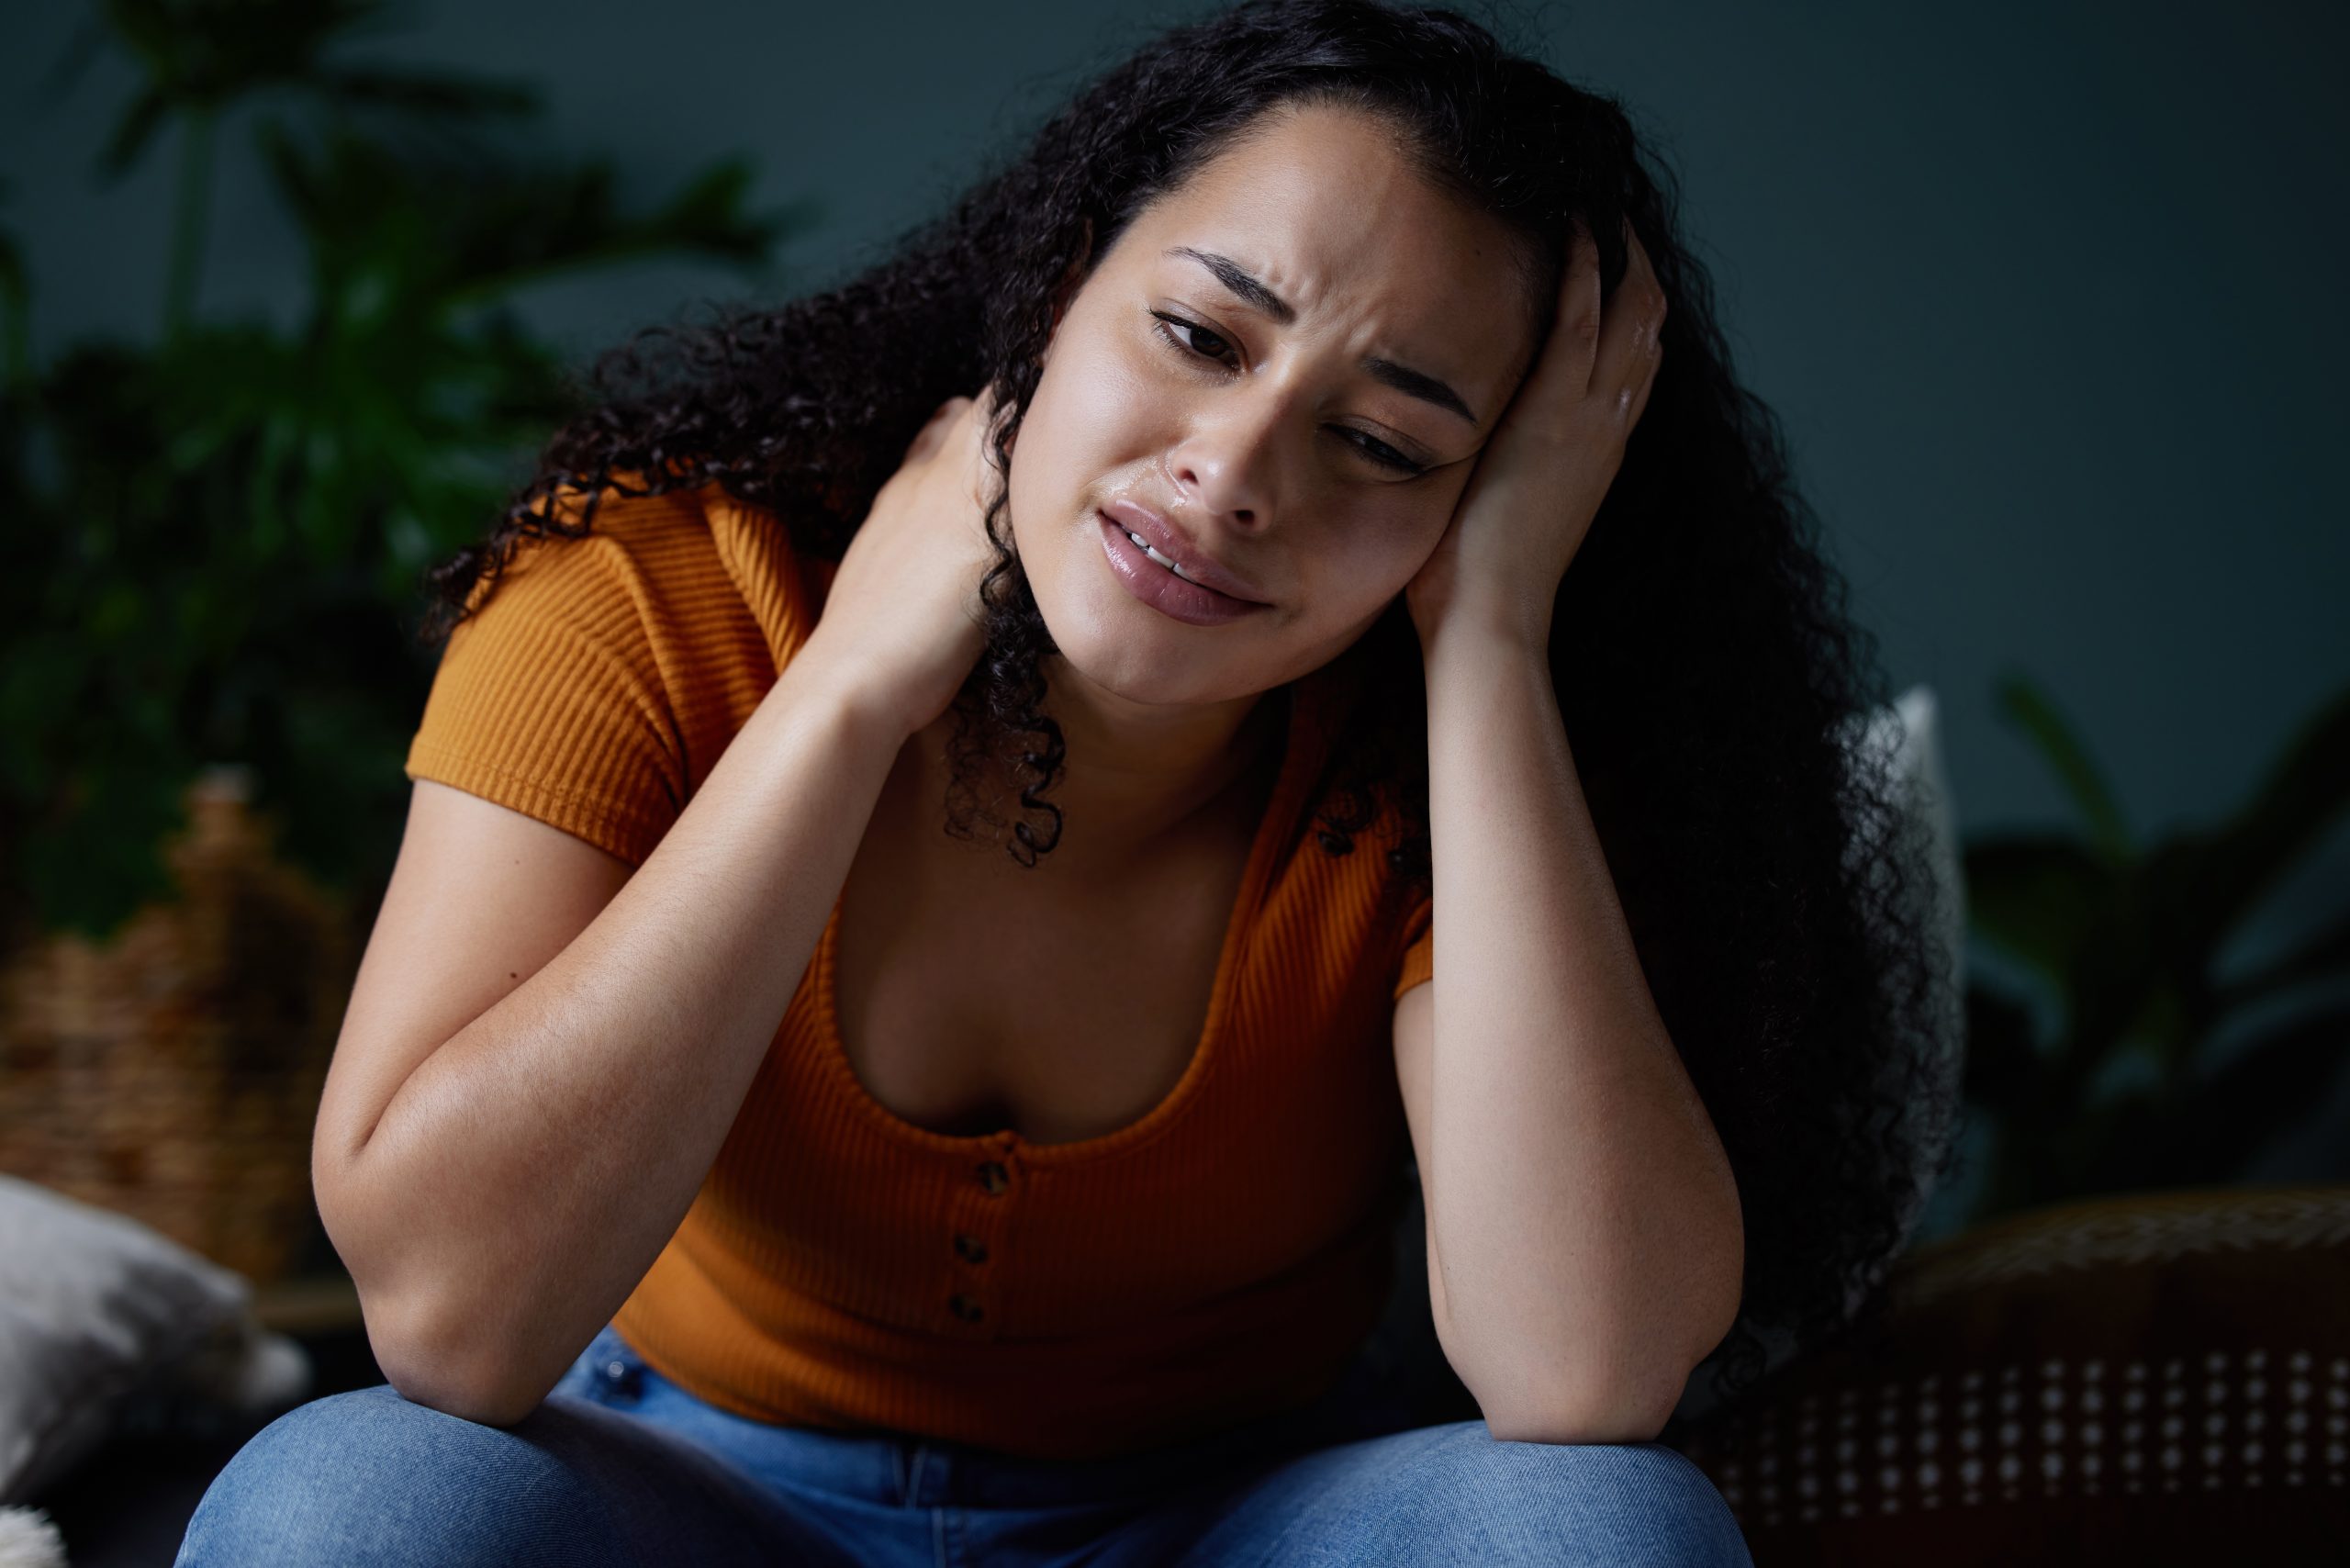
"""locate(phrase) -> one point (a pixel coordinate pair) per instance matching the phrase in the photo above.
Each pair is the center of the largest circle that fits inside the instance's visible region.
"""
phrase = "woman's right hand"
(901, 620)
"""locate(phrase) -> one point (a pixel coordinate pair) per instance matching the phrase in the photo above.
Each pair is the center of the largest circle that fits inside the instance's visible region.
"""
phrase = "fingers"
(1608, 354)
(1632, 342)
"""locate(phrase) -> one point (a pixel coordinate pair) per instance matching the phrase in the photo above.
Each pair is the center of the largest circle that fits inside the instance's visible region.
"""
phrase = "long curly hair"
(1713, 684)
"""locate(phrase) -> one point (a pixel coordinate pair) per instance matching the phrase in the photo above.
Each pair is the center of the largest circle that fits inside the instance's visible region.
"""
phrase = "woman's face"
(1263, 431)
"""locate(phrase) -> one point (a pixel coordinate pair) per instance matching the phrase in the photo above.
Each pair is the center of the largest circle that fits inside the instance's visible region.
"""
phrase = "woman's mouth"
(1158, 582)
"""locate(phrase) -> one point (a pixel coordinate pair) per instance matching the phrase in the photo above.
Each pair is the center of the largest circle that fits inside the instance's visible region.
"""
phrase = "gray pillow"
(29, 1539)
(1910, 732)
(98, 1312)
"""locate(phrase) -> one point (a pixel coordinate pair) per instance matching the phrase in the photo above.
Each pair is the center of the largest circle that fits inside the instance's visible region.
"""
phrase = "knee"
(1613, 1503)
(368, 1477)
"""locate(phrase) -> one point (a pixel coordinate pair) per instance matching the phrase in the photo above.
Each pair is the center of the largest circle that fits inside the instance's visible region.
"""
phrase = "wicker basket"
(174, 1074)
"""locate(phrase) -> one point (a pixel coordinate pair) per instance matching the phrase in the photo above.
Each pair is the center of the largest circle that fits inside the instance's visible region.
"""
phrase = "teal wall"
(2050, 297)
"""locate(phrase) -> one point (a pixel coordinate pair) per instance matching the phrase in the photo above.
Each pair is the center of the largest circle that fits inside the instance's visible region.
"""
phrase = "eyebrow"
(1252, 291)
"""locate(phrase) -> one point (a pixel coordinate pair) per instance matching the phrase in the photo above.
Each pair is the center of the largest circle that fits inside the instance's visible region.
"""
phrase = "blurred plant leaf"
(2130, 942)
(2322, 956)
(389, 226)
(2273, 1082)
(71, 62)
(216, 542)
(2036, 896)
(438, 97)
(2023, 704)
(133, 133)
(15, 307)
(2305, 793)
(199, 56)
(2002, 1059)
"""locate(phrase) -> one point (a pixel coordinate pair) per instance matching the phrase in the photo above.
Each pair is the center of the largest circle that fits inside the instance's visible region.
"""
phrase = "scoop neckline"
(1272, 827)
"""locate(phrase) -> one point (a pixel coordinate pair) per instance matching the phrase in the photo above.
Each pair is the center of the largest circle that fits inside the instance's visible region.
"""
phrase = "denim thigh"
(900, 1498)
(368, 1477)
(1346, 1480)
(1455, 1494)
(621, 1466)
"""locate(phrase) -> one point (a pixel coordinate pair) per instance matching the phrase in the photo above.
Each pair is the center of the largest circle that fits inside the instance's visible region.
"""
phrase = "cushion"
(99, 1316)
(2154, 1377)
(1910, 733)
(28, 1539)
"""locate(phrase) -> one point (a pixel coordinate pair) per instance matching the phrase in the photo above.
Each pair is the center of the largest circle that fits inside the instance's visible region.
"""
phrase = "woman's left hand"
(1538, 481)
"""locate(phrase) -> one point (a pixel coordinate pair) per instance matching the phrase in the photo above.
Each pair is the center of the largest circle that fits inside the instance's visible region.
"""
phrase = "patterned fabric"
(2103, 1380)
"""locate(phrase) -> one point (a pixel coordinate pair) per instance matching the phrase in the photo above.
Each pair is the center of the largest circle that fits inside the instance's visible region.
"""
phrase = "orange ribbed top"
(1217, 1262)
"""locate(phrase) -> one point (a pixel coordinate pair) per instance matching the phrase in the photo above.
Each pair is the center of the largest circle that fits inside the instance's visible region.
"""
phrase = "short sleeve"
(549, 701)
(1419, 953)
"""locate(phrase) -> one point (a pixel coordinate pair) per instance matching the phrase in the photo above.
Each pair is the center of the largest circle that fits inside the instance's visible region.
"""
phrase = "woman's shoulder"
(606, 671)
(669, 526)
(683, 559)
(698, 596)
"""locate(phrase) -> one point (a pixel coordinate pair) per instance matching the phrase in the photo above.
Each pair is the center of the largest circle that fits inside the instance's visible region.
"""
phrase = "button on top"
(994, 1177)
(970, 1248)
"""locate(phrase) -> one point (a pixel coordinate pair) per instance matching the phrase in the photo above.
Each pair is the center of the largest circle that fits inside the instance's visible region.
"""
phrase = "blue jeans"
(621, 1466)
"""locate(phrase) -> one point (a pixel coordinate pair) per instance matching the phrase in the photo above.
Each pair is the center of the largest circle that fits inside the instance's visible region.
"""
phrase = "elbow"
(497, 1409)
(454, 1389)
(1620, 1384)
(434, 1349)
(1612, 1417)
(429, 1364)
(1626, 1398)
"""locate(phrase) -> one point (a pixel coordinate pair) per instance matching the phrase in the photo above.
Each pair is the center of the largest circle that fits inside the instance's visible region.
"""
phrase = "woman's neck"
(1134, 778)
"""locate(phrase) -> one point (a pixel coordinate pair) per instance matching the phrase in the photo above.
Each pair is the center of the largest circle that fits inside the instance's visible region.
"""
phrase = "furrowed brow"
(1250, 290)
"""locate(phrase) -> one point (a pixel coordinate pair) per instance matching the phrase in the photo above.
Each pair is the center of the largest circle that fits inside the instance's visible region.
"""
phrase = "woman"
(1318, 424)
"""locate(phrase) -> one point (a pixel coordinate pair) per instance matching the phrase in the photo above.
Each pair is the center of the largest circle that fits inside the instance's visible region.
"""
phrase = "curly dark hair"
(1715, 689)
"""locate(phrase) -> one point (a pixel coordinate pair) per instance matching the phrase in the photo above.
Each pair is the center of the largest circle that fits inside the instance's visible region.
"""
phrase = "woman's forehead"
(1336, 225)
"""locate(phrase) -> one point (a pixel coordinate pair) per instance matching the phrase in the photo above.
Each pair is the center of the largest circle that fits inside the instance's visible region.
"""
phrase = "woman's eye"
(1221, 350)
(1386, 456)
(1379, 451)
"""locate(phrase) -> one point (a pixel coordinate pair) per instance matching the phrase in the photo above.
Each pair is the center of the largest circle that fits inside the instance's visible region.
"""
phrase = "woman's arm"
(497, 1201)
(1583, 1211)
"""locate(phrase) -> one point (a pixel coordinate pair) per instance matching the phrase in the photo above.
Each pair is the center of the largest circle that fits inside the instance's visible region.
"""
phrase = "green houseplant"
(2128, 1061)
(214, 541)
(210, 578)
